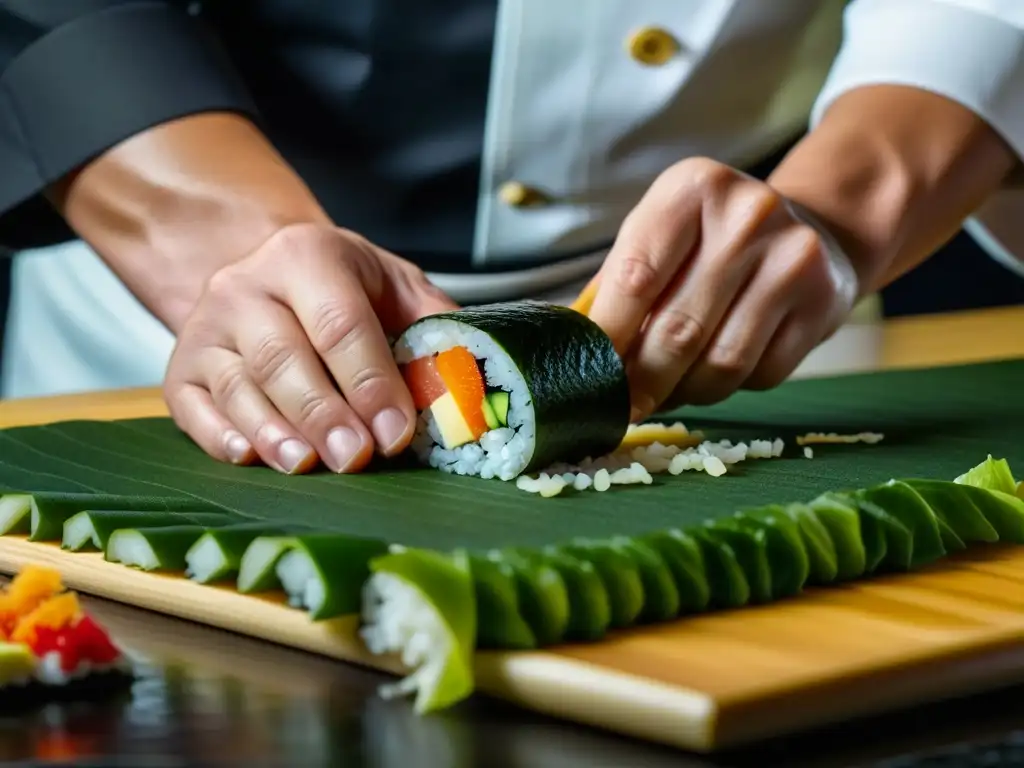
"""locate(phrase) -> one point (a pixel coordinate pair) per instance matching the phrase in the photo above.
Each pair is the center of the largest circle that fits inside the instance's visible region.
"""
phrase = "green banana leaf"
(936, 423)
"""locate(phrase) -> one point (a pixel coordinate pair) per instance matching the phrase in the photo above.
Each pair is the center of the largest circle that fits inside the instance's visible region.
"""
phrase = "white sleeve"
(971, 52)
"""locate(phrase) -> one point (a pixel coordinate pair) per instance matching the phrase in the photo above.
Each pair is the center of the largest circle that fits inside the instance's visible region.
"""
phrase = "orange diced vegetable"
(461, 376)
(33, 586)
(55, 613)
(424, 382)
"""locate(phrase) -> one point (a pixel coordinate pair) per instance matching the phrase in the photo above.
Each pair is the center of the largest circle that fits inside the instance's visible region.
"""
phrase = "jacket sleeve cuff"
(972, 57)
(97, 80)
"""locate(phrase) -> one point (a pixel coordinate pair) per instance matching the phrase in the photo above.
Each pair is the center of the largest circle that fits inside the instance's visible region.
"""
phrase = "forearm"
(171, 205)
(893, 172)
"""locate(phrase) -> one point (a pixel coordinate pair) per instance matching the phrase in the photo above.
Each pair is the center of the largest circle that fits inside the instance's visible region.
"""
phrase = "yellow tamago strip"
(642, 435)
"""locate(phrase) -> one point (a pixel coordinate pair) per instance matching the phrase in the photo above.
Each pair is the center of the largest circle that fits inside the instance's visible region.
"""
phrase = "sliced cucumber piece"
(843, 524)
(1003, 511)
(992, 474)
(906, 505)
(49, 512)
(821, 550)
(619, 574)
(872, 531)
(420, 604)
(152, 549)
(499, 621)
(488, 411)
(15, 513)
(590, 611)
(952, 503)
(543, 596)
(751, 553)
(325, 572)
(661, 595)
(899, 541)
(787, 553)
(257, 571)
(91, 530)
(685, 561)
(217, 554)
(729, 586)
(499, 406)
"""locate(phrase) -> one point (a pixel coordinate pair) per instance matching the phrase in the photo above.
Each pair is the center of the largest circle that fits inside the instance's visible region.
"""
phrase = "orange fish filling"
(462, 378)
(453, 373)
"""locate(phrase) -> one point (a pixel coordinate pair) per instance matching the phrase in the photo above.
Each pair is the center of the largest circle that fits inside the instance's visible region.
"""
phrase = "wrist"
(892, 172)
(168, 208)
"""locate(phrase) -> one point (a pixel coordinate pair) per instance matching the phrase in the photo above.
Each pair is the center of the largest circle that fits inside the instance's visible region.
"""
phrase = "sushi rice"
(637, 465)
(501, 453)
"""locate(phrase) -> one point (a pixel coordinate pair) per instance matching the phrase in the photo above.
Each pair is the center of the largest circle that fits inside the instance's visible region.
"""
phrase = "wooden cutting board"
(702, 683)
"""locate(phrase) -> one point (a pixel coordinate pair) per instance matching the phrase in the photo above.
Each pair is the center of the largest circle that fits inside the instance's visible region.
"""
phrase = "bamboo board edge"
(541, 681)
(545, 681)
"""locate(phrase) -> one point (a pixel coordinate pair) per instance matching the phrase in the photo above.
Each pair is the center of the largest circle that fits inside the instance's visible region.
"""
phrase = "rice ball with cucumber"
(513, 387)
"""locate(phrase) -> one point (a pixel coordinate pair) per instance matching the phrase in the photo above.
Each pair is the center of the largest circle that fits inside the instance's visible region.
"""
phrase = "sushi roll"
(514, 387)
(47, 641)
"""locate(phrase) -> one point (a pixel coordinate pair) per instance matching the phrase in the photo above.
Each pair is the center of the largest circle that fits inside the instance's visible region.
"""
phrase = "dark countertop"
(210, 698)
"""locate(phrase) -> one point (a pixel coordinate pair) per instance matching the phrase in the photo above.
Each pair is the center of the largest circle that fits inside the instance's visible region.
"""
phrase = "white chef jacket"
(571, 112)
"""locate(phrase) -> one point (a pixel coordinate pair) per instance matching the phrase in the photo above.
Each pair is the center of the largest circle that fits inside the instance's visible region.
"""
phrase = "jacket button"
(519, 195)
(652, 46)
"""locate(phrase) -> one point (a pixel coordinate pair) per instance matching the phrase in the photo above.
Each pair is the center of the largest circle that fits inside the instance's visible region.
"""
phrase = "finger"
(655, 240)
(686, 320)
(332, 306)
(747, 330)
(407, 297)
(237, 397)
(280, 361)
(795, 338)
(192, 409)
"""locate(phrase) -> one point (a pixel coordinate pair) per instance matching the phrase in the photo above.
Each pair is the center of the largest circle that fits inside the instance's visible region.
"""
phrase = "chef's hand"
(260, 360)
(280, 316)
(714, 284)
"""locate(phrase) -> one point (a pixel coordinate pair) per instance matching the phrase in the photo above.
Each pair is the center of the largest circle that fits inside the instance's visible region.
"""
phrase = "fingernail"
(292, 454)
(634, 415)
(389, 427)
(237, 447)
(344, 445)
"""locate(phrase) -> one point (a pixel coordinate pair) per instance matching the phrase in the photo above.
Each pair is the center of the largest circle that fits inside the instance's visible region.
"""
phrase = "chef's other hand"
(715, 284)
(259, 362)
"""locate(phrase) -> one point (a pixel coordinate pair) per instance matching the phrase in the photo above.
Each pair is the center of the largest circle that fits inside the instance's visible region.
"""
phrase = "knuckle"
(270, 358)
(294, 241)
(638, 277)
(808, 251)
(678, 333)
(803, 262)
(704, 172)
(369, 385)
(334, 327)
(314, 408)
(223, 285)
(227, 383)
(729, 362)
